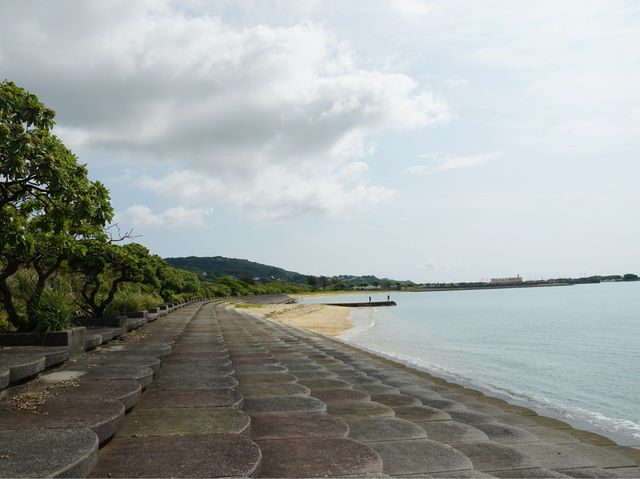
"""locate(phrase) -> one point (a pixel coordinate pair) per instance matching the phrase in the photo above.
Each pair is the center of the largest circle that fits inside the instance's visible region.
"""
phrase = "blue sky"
(423, 140)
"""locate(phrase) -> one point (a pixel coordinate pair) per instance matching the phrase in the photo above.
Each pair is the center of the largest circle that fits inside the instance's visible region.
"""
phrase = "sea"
(568, 352)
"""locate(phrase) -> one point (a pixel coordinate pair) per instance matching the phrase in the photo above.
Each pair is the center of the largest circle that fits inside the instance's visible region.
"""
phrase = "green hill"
(212, 268)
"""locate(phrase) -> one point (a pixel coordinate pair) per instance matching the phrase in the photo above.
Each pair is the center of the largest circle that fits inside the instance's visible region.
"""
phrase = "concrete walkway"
(237, 395)
(296, 404)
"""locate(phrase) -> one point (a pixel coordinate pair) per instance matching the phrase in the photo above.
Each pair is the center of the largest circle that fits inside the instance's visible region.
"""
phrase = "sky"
(419, 140)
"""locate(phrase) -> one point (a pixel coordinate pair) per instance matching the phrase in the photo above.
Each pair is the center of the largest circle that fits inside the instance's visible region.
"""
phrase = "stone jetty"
(209, 391)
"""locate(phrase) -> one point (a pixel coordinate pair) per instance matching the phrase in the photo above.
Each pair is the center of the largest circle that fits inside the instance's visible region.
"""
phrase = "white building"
(516, 280)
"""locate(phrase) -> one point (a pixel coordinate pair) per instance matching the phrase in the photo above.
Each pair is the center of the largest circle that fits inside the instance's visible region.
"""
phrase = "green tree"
(340, 286)
(47, 203)
(630, 277)
(105, 267)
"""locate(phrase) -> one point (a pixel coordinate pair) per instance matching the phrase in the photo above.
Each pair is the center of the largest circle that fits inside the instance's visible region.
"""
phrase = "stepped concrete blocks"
(251, 361)
(212, 455)
(490, 409)
(159, 349)
(103, 416)
(188, 353)
(180, 421)
(52, 354)
(267, 390)
(631, 452)
(315, 374)
(201, 368)
(92, 340)
(356, 380)
(92, 361)
(255, 355)
(261, 368)
(519, 421)
(421, 413)
(143, 375)
(5, 376)
(191, 398)
(266, 378)
(551, 436)
(444, 404)
(353, 373)
(195, 381)
(528, 474)
(201, 362)
(196, 349)
(560, 457)
(591, 438)
(340, 395)
(300, 364)
(283, 405)
(377, 389)
(452, 432)
(550, 422)
(126, 391)
(603, 457)
(470, 417)
(420, 456)
(509, 408)
(21, 365)
(48, 452)
(506, 434)
(396, 400)
(384, 429)
(490, 456)
(292, 426)
(317, 457)
(359, 410)
(326, 383)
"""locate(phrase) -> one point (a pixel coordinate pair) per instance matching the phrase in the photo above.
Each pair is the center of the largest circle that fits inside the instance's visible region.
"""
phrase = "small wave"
(362, 320)
(623, 429)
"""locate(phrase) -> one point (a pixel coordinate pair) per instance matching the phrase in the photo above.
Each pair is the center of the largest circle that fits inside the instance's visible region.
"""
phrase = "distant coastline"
(502, 286)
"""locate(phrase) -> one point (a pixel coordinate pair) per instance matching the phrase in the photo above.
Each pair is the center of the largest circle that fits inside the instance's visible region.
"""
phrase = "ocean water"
(570, 352)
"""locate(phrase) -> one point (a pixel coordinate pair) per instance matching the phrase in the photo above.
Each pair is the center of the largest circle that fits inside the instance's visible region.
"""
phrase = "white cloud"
(278, 192)
(439, 164)
(411, 7)
(140, 217)
(232, 105)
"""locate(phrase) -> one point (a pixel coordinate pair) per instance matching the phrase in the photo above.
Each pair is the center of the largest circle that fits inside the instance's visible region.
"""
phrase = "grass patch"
(246, 305)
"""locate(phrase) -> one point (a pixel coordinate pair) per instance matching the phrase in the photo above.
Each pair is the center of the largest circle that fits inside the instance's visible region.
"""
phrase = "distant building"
(516, 280)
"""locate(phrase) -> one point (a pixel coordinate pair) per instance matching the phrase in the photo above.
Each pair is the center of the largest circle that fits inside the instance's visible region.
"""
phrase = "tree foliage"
(47, 202)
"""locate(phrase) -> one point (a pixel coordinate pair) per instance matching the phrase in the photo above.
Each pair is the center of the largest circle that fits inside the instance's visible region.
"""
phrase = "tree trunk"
(7, 301)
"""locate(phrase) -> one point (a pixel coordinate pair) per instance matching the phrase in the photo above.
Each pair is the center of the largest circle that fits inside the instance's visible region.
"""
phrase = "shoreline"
(354, 322)
(472, 388)
(583, 431)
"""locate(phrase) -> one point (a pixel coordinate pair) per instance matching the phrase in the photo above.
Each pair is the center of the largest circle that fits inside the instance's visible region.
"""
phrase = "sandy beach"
(320, 318)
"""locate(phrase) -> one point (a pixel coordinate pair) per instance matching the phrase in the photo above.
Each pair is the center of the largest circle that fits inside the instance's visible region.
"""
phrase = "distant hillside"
(212, 268)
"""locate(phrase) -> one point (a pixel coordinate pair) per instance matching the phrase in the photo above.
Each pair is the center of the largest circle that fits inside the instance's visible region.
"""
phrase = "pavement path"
(238, 395)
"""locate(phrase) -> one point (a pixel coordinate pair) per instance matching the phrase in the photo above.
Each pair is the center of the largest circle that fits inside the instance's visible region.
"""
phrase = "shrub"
(130, 298)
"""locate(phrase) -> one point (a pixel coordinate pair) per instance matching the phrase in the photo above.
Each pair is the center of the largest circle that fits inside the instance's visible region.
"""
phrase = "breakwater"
(364, 304)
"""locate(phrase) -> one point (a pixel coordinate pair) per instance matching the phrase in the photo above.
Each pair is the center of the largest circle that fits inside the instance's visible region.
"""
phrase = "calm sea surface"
(569, 352)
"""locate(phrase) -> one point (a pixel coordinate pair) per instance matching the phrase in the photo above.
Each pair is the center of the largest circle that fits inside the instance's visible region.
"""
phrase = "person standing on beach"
(388, 298)
(369, 298)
